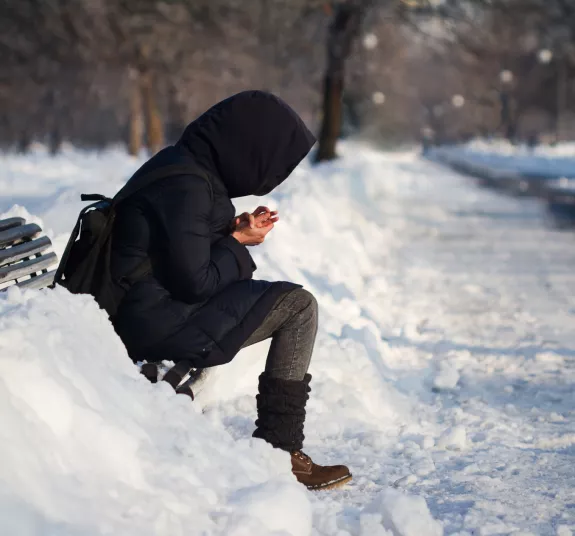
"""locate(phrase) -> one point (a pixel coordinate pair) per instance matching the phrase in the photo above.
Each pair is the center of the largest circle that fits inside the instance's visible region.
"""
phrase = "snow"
(501, 158)
(447, 375)
(92, 449)
(443, 371)
(453, 438)
(392, 512)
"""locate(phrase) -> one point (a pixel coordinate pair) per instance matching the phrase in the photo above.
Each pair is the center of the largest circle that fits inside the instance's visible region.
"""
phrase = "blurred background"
(99, 72)
(445, 355)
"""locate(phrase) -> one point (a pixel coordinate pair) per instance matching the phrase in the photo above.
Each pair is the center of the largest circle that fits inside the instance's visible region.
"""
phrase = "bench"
(25, 257)
(27, 262)
(184, 378)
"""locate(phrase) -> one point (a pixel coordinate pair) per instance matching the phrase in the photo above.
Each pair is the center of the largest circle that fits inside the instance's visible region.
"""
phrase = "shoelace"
(302, 456)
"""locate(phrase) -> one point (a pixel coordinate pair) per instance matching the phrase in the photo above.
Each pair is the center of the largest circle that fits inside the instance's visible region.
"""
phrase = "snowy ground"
(443, 373)
(502, 159)
(504, 147)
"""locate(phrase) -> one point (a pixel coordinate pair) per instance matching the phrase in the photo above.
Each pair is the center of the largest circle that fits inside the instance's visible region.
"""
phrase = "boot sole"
(331, 485)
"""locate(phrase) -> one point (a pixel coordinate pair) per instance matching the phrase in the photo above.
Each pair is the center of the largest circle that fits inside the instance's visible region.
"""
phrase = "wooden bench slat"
(40, 281)
(16, 234)
(26, 249)
(18, 241)
(11, 222)
(22, 269)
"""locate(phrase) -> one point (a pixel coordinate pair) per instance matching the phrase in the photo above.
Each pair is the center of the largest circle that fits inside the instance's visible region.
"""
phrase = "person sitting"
(200, 302)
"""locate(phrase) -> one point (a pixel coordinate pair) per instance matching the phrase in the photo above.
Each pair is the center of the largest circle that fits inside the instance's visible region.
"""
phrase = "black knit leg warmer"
(281, 411)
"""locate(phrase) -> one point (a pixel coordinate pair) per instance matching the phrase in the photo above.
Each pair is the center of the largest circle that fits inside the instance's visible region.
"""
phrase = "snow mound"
(93, 448)
(443, 364)
(446, 377)
(502, 158)
(393, 513)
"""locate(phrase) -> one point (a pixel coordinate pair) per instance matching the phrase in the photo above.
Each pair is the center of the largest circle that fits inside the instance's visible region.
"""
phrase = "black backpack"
(85, 264)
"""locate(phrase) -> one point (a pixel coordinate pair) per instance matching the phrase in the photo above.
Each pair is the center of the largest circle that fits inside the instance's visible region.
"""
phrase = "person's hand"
(252, 236)
(251, 229)
(260, 217)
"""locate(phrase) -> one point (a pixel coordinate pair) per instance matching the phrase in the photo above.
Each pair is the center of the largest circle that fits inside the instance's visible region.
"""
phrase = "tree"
(345, 27)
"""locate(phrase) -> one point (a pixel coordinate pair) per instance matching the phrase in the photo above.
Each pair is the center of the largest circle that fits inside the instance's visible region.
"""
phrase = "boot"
(318, 477)
(281, 416)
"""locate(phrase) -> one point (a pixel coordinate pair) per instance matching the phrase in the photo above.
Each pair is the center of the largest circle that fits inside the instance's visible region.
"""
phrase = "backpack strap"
(94, 197)
(133, 186)
(177, 373)
(174, 376)
(75, 233)
(130, 188)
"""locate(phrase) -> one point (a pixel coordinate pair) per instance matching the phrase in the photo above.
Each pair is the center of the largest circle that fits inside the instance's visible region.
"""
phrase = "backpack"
(85, 264)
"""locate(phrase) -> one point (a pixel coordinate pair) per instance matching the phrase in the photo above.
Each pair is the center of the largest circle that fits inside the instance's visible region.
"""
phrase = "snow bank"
(504, 147)
(501, 157)
(395, 513)
(90, 447)
(443, 369)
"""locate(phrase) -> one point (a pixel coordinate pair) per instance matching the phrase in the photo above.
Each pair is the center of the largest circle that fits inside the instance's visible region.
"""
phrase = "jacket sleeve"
(197, 268)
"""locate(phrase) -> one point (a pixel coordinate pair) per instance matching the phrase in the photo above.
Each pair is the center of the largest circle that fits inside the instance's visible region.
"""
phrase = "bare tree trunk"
(136, 126)
(24, 141)
(265, 46)
(562, 85)
(55, 140)
(344, 28)
(154, 126)
(331, 122)
(54, 120)
(176, 116)
(508, 113)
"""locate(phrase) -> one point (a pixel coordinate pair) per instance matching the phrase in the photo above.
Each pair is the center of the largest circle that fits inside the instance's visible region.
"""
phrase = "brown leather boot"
(318, 477)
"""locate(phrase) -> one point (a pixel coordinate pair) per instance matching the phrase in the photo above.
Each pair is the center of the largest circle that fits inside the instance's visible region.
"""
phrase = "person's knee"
(306, 300)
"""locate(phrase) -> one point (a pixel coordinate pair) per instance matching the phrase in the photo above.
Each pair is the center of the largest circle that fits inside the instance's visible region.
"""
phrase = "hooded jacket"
(200, 302)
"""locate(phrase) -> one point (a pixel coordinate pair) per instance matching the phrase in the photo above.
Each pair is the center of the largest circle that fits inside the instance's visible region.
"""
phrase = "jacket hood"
(252, 141)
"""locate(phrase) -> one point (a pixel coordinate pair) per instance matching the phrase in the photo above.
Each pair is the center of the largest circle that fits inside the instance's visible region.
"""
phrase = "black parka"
(200, 301)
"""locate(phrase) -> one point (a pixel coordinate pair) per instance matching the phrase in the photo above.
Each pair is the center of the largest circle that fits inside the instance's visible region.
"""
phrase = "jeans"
(292, 325)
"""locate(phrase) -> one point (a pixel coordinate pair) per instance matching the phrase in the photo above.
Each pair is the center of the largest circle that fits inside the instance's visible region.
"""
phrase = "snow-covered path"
(444, 368)
(485, 291)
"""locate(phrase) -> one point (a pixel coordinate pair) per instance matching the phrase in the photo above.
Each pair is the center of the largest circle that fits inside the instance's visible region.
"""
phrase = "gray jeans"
(292, 325)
